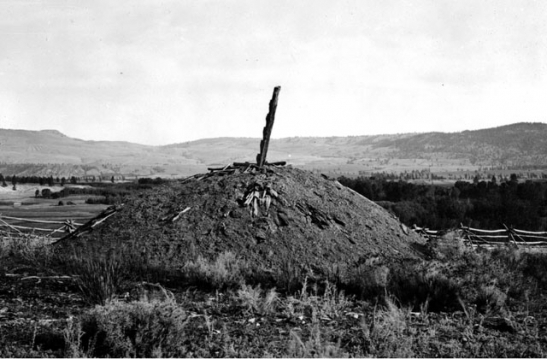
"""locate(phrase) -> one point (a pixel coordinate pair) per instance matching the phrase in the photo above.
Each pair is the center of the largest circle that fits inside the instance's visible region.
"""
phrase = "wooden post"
(266, 133)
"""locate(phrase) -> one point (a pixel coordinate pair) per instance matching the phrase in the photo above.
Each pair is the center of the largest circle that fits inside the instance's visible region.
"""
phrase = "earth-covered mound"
(273, 216)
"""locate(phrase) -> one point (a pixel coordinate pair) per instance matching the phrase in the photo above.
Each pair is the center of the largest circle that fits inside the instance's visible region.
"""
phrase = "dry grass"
(136, 329)
(27, 250)
(494, 308)
(226, 271)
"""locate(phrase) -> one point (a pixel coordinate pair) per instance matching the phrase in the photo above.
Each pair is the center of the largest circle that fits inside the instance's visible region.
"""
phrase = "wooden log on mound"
(92, 223)
(267, 132)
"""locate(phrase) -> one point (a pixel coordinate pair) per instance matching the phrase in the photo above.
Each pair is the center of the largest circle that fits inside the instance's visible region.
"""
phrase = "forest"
(479, 204)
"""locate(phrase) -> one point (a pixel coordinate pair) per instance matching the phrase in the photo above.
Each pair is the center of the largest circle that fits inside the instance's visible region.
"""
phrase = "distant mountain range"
(50, 152)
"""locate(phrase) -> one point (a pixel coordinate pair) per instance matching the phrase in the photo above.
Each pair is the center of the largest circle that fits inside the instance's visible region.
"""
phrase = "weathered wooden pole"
(266, 133)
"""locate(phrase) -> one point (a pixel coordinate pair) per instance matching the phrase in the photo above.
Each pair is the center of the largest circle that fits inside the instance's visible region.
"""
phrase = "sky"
(161, 72)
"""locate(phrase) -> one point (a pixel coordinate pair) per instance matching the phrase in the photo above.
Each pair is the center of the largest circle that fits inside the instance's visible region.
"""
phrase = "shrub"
(289, 277)
(369, 280)
(102, 273)
(136, 329)
(150, 292)
(148, 181)
(46, 193)
(98, 278)
(411, 283)
(493, 279)
(314, 303)
(109, 199)
(27, 248)
(227, 271)
(315, 347)
(388, 334)
(250, 298)
(332, 303)
(99, 275)
(490, 298)
(255, 300)
(535, 266)
(425, 285)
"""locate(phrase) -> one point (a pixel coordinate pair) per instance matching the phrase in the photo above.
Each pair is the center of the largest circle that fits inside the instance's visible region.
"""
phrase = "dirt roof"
(271, 215)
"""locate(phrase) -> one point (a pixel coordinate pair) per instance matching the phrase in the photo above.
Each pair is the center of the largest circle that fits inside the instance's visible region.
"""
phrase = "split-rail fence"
(497, 237)
(21, 226)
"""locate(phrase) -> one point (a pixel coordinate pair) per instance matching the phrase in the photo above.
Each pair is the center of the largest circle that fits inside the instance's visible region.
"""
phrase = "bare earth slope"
(311, 222)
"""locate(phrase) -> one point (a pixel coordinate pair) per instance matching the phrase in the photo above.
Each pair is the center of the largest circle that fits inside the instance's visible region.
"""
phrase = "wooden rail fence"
(7, 226)
(495, 237)
(69, 228)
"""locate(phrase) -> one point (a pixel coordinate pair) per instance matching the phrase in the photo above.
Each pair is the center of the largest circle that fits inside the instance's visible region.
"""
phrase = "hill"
(521, 143)
(50, 152)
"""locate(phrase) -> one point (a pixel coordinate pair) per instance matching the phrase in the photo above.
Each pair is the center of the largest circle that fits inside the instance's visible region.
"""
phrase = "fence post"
(511, 235)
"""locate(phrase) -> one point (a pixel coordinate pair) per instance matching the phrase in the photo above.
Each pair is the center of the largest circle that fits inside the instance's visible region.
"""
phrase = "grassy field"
(345, 166)
(470, 304)
(22, 203)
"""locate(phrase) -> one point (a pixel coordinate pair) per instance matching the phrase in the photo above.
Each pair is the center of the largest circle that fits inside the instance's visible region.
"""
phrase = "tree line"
(105, 192)
(480, 204)
(52, 181)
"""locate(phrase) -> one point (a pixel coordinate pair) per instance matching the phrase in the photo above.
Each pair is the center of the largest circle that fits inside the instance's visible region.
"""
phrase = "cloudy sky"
(159, 72)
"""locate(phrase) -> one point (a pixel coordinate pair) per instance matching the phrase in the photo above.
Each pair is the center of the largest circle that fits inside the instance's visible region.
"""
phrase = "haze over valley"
(49, 152)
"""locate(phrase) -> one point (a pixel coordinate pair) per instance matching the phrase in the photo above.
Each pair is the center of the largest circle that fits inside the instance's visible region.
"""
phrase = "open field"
(22, 205)
(25, 193)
